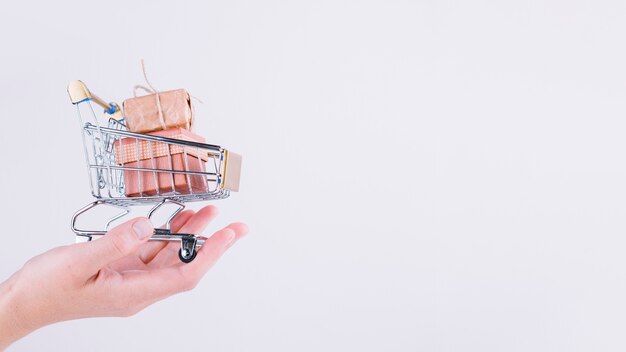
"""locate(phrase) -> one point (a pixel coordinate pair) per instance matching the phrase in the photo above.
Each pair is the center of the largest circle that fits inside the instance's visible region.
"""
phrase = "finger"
(211, 251)
(240, 229)
(121, 241)
(195, 225)
(148, 251)
(157, 284)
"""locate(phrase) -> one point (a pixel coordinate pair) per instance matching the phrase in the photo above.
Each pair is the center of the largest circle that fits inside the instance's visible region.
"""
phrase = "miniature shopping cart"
(173, 171)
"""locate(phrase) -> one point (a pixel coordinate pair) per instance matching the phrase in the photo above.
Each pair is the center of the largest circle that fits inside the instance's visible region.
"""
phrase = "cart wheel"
(187, 251)
(188, 258)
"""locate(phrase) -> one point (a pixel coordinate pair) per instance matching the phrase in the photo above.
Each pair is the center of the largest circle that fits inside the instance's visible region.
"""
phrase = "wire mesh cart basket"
(127, 169)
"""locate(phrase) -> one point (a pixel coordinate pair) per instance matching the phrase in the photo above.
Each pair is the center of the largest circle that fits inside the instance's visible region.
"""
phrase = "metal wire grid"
(107, 171)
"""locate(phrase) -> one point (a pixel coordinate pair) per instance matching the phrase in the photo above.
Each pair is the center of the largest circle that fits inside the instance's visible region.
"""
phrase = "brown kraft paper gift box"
(149, 183)
(142, 113)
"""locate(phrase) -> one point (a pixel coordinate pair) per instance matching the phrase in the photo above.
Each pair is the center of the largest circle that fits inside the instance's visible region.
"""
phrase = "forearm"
(11, 327)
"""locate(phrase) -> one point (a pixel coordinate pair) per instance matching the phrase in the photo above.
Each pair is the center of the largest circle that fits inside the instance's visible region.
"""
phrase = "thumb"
(119, 242)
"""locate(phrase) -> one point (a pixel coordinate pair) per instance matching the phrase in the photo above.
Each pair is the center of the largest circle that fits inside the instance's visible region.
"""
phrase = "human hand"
(117, 275)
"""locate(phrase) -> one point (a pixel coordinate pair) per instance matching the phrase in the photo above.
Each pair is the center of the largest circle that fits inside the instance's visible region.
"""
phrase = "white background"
(418, 175)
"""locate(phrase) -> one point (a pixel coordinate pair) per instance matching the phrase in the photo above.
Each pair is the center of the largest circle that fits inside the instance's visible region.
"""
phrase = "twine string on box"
(151, 90)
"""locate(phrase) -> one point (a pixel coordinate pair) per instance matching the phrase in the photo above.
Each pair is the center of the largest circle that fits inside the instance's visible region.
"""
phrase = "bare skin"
(117, 275)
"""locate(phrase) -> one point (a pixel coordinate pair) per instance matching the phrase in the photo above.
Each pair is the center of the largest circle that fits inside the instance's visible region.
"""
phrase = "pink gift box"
(163, 157)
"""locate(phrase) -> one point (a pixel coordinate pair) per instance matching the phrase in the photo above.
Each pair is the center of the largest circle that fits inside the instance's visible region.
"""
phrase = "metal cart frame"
(105, 148)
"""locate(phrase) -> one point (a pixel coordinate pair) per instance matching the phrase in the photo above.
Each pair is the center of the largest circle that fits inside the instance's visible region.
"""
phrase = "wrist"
(12, 326)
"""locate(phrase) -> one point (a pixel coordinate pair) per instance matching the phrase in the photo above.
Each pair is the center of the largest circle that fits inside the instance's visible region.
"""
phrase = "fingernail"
(142, 228)
(230, 236)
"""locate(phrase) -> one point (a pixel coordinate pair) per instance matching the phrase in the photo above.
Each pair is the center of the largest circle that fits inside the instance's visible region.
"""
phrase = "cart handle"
(79, 92)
